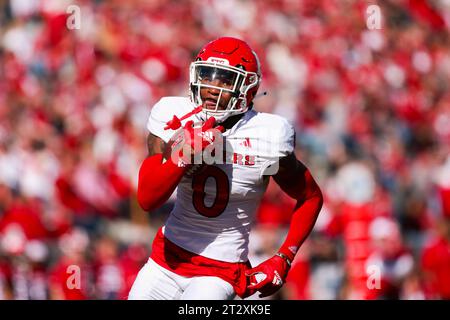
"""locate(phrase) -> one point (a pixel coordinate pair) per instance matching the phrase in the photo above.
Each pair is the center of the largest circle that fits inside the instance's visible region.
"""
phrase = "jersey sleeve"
(281, 144)
(287, 139)
(159, 116)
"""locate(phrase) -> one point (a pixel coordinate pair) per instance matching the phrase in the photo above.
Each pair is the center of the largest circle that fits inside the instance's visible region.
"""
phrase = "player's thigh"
(208, 288)
(153, 282)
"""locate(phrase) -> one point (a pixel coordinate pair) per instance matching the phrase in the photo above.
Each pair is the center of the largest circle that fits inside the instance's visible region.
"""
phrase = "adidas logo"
(246, 143)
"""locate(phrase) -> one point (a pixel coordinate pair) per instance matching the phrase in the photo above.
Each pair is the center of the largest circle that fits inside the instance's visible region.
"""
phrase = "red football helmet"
(228, 65)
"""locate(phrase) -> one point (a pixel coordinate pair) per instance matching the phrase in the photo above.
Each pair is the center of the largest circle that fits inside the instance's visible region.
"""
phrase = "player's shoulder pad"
(167, 107)
(163, 111)
(280, 130)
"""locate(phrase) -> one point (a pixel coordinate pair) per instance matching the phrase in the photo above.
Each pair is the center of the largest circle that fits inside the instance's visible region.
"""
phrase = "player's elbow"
(148, 187)
(148, 206)
(312, 190)
(319, 198)
(144, 203)
(314, 195)
(147, 199)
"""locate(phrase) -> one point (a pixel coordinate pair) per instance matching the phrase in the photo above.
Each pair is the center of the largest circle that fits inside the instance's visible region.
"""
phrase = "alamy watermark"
(74, 279)
(373, 277)
(373, 17)
(73, 21)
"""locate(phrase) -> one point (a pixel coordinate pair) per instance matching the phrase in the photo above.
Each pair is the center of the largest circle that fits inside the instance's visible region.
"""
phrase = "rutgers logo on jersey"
(243, 160)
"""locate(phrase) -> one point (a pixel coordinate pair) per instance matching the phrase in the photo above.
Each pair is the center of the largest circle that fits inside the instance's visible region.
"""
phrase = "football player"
(201, 251)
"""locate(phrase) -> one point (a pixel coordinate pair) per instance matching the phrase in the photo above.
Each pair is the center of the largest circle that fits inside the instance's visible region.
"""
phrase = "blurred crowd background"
(371, 110)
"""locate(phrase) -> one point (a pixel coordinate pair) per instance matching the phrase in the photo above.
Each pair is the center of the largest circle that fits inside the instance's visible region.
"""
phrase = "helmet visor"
(217, 77)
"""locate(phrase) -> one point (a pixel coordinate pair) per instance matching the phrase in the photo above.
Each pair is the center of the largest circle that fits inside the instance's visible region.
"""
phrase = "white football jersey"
(215, 207)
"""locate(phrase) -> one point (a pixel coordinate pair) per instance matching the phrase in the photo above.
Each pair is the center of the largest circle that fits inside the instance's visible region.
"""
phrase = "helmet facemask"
(225, 79)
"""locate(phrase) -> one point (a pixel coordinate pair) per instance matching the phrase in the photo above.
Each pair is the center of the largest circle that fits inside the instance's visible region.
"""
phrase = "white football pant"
(154, 282)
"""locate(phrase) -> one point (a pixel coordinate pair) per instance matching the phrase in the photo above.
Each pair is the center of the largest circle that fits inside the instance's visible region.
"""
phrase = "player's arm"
(158, 178)
(155, 144)
(295, 180)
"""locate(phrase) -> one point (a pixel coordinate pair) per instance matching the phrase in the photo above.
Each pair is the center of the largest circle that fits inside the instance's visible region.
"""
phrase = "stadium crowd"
(371, 110)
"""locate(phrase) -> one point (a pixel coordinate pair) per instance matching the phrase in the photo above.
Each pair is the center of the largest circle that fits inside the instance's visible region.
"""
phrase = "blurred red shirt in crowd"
(436, 263)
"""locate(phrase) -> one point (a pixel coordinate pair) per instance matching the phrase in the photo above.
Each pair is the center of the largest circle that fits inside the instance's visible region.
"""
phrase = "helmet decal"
(218, 60)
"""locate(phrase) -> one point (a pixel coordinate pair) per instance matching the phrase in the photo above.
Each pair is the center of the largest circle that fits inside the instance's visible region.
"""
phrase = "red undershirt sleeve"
(309, 203)
(157, 181)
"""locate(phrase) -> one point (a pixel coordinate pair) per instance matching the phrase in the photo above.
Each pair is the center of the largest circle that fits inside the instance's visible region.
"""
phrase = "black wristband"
(283, 256)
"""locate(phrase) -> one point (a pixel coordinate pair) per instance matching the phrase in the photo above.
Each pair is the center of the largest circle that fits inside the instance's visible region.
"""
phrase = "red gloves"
(188, 142)
(275, 270)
